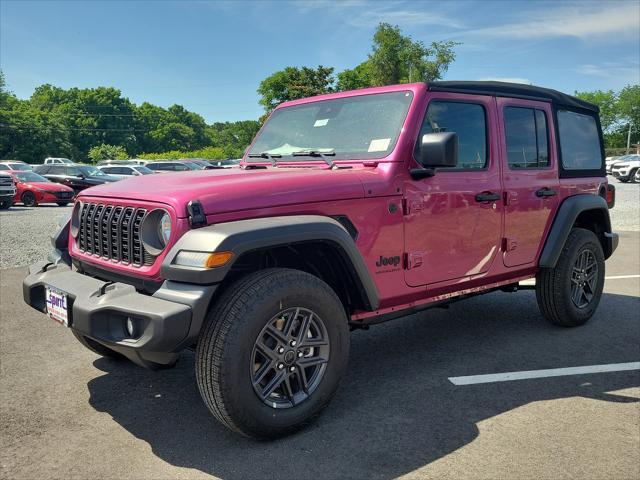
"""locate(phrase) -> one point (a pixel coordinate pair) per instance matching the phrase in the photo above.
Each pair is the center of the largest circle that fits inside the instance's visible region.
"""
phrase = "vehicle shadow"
(396, 410)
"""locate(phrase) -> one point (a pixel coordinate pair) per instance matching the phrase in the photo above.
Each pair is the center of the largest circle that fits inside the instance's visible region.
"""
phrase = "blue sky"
(211, 56)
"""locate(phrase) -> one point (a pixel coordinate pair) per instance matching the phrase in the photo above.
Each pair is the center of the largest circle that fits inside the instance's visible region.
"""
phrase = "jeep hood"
(230, 190)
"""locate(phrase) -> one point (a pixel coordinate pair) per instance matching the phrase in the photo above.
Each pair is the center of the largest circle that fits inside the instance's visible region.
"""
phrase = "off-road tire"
(223, 354)
(96, 347)
(553, 285)
(29, 199)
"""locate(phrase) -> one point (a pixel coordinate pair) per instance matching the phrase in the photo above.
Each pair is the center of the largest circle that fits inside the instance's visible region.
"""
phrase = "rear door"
(530, 177)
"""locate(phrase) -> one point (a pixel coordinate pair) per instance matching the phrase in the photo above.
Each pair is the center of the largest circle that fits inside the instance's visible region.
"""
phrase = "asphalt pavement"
(66, 413)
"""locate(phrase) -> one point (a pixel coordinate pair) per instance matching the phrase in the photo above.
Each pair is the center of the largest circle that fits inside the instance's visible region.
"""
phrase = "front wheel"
(633, 177)
(29, 199)
(5, 205)
(272, 352)
(569, 293)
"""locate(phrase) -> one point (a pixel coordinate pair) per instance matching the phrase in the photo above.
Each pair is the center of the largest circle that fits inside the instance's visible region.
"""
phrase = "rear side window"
(4, 166)
(57, 170)
(465, 119)
(579, 141)
(526, 137)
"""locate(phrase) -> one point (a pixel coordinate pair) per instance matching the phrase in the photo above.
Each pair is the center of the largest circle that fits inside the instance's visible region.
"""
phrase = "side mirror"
(80, 175)
(437, 150)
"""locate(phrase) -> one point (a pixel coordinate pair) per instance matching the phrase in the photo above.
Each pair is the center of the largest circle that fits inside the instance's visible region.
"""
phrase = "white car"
(626, 170)
(14, 165)
(611, 161)
(125, 171)
(58, 161)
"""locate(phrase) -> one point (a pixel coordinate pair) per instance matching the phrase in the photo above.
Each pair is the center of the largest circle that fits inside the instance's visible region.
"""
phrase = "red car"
(33, 189)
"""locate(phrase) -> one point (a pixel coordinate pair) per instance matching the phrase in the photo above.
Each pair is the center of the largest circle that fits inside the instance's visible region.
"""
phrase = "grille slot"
(113, 232)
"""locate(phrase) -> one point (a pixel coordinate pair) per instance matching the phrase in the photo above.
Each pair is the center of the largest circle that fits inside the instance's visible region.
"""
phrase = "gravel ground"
(24, 232)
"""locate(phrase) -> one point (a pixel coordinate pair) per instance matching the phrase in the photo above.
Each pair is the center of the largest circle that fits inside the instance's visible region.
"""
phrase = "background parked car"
(125, 171)
(57, 161)
(177, 166)
(627, 168)
(611, 161)
(201, 162)
(7, 190)
(77, 177)
(33, 189)
(231, 163)
(14, 165)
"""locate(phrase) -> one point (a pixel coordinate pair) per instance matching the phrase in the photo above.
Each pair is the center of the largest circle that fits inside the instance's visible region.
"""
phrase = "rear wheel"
(272, 353)
(569, 293)
(29, 199)
(96, 347)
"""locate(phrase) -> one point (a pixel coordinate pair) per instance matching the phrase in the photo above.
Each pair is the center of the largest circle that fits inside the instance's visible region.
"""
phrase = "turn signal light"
(188, 258)
(218, 259)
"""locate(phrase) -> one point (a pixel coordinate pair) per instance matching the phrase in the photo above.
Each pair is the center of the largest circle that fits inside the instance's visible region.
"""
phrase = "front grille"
(6, 181)
(113, 233)
(63, 195)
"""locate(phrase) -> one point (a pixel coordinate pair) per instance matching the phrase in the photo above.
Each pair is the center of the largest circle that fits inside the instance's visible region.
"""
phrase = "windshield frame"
(412, 93)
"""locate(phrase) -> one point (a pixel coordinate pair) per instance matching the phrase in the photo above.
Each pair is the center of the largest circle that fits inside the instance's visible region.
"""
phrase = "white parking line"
(532, 281)
(551, 372)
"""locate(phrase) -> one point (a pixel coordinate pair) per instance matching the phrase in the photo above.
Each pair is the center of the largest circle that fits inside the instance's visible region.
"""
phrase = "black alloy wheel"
(584, 279)
(289, 357)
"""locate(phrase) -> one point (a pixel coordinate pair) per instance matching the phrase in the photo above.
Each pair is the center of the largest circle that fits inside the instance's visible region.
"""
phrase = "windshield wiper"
(316, 153)
(268, 156)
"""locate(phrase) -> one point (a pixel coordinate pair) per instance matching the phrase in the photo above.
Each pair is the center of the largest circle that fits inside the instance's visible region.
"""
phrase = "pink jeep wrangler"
(348, 209)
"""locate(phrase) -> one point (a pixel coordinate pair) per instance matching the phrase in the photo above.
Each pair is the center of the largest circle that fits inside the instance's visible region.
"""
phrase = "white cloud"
(362, 13)
(507, 79)
(619, 19)
(627, 72)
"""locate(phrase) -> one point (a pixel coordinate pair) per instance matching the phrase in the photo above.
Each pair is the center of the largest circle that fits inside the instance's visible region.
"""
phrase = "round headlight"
(156, 231)
(164, 228)
(75, 219)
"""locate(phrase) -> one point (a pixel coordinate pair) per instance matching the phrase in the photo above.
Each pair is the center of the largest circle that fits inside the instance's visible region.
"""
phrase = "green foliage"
(395, 58)
(107, 152)
(208, 153)
(618, 112)
(293, 83)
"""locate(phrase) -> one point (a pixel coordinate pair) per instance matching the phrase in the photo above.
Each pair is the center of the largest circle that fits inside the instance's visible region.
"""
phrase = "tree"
(629, 106)
(607, 101)
(293, 83)
(107, 152)
(396, 58)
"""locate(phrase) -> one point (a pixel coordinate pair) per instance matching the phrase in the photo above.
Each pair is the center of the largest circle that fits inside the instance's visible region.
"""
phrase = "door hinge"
(509, 244)
(412, 260)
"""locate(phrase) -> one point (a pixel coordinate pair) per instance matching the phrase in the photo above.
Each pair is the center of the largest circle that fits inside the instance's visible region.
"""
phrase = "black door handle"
(487, 197)
(545, 192)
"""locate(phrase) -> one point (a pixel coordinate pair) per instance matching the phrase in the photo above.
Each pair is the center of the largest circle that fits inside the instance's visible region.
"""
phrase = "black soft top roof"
(514, 90)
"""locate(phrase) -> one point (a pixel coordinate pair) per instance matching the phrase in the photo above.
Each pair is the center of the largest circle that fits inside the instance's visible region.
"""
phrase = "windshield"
(91, 171)
(30, 177)
(361, 127)
(143, 170)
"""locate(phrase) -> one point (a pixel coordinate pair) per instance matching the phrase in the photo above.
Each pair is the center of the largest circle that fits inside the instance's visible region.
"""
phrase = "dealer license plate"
(57, 305)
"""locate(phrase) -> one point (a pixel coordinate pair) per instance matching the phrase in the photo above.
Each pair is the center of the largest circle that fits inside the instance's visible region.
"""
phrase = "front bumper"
(165, 322)
(623, 174)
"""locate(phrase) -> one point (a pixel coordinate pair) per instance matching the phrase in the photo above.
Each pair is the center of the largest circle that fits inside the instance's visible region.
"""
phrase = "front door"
(530, 177)
(453, 220)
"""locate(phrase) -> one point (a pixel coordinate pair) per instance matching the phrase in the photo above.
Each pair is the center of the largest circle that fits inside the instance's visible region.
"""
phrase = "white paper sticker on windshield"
(379, 145)
(321, 123)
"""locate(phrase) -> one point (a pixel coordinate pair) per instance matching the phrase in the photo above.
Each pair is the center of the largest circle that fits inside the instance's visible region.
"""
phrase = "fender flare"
(564, 221)
(245, 236)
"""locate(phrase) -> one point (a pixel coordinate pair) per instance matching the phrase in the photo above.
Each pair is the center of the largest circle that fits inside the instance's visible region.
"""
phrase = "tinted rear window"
(579, 141)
